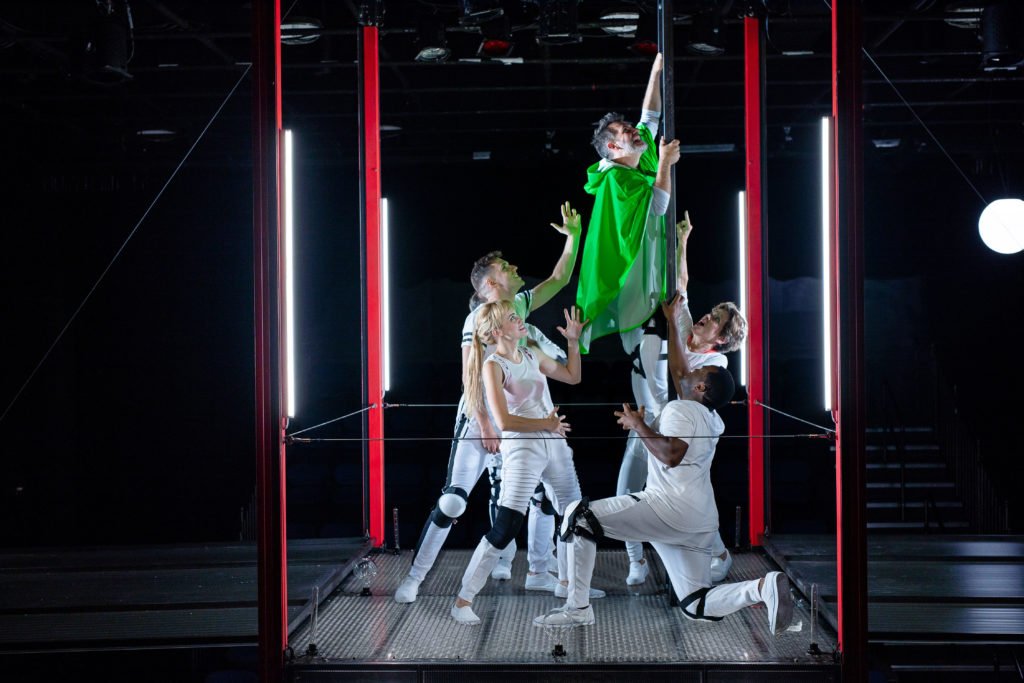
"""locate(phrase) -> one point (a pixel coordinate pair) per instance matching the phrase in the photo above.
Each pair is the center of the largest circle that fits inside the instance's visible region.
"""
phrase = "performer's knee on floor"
(578, 520)
(505, 528)
(693, 605)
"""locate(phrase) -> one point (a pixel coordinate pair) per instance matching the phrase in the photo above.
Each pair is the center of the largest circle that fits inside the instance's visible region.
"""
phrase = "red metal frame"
(848, 343)
(272, 574)
(374, 282)
(756, 339)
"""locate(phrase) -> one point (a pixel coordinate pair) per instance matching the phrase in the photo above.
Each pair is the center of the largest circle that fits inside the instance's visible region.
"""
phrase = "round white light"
(1001, 226)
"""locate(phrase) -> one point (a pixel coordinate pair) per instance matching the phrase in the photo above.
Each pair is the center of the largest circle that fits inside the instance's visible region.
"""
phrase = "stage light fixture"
(558, 22)
(289, 273)
(385, 299)
(742, 222)
(1001, 226)
(300, 31)
(110, 45)
(706, 36)
(622, 24)
(826, 261)
(1002, 24)
(475, 12)
(645, 40)
(431, 41)
(497, 39)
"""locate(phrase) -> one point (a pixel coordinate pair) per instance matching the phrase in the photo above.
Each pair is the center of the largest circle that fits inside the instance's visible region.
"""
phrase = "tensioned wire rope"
(124, 244)
(131, 234)
(826, 433)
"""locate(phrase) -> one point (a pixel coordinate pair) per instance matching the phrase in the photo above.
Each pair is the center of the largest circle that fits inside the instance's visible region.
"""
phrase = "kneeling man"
(676, 512)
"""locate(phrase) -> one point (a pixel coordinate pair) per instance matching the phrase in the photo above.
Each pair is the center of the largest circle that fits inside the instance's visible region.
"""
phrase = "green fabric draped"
(615, 240)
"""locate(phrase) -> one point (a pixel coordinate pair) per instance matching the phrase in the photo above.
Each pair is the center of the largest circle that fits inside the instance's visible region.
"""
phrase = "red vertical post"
(756, 318)
(848, 344)
(272, 574)
(374, 282)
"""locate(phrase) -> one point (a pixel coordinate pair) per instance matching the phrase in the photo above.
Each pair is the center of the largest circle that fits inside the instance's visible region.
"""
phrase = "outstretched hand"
(656, 66)
(571, 221)
(573, 326)
(558, 423)
(668, 152)
(673, 309)
(684, 228)
(629, 418)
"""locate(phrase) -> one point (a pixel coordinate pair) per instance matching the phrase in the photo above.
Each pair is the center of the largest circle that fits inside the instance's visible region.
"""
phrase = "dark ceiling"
(184, 57)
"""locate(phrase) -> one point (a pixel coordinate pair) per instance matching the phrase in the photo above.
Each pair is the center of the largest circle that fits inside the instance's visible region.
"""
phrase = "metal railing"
(985, 510)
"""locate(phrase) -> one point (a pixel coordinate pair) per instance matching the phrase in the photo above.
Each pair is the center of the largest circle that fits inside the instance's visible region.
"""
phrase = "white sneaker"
(562, 591)
(776, 596)
(563, 616)
(720, 567)
(638, 572)
(465, 615)
(542, 581)
(408, 590)
(502, 571)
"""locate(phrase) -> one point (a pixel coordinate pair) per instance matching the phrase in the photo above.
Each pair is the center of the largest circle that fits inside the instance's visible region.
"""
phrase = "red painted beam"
(848, 344)
(374, 282)
(756, 318)
(272, 574)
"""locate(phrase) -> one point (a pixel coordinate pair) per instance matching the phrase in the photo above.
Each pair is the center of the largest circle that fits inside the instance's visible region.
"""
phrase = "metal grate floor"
(634, 623)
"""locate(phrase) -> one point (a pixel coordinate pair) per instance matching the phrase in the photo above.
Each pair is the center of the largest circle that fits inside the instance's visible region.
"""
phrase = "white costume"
(527, 458)
(467, 461)
(678, 515)
(649, 377)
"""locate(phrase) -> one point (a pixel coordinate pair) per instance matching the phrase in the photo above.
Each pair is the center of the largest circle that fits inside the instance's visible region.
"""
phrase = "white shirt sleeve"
(650, 120)
(659, 203)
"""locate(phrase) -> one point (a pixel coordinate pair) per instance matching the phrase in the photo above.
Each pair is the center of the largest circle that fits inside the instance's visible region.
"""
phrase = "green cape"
(614, 247)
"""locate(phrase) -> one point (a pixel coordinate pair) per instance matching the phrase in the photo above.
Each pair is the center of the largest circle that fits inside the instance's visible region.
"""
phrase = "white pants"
(686, 556)
(466, 463)
(650, 389)
(524, 463)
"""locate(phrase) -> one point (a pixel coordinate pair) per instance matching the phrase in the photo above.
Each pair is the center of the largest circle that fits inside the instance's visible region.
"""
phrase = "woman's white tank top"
(526, 388)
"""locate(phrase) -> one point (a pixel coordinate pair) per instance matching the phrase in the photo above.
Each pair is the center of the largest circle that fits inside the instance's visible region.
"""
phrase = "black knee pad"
(574, 514)
(698, 596)
(506, 526)
(541, 501)
(439, 518)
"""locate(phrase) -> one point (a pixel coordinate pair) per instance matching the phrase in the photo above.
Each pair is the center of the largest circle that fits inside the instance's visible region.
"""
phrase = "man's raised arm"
(652, 98)
(570, 227)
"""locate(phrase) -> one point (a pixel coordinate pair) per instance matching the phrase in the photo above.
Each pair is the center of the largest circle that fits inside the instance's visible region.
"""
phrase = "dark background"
(138, 426)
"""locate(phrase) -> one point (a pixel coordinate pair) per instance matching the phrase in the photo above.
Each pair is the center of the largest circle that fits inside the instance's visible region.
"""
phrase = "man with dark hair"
(676, 512)
(695, 345)
(622, 271)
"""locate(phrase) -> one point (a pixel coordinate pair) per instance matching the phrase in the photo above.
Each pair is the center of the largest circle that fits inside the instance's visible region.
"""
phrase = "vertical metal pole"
(756, 318)
(374, 327)
(848, 344)
(364, 373)
(668, 117)
(270, 420)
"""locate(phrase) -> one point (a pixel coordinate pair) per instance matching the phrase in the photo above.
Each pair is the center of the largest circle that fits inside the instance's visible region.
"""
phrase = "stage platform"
(637, 635)
(922, 589)
(155, 597)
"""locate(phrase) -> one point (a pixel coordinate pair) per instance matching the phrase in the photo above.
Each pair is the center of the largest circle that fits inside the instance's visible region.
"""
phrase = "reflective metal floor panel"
(634, 625)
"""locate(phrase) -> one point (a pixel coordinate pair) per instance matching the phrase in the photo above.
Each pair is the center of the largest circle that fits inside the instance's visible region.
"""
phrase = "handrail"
(962, 452)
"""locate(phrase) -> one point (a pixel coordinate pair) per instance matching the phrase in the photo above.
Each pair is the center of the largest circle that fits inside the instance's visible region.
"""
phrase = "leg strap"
(699, 596)
(574, 514)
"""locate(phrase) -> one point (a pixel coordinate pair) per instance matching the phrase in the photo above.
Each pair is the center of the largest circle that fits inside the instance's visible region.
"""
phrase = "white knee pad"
(451, 504)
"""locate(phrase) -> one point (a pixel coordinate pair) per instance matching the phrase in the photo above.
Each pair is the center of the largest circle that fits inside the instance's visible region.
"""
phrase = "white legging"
(466, 464)
(525, 462)
(649, 378)
(686, 555)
